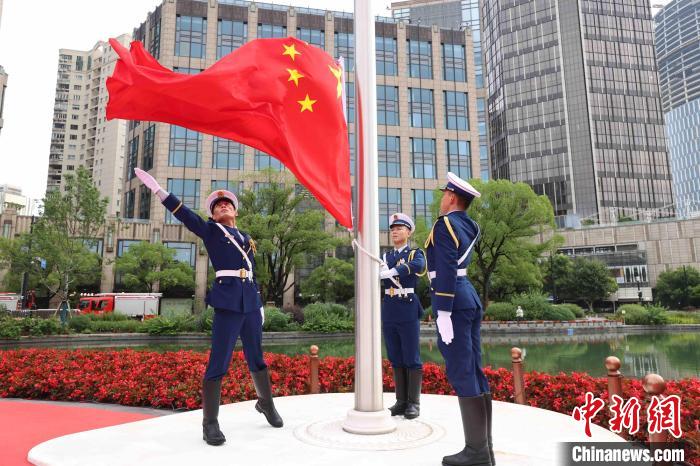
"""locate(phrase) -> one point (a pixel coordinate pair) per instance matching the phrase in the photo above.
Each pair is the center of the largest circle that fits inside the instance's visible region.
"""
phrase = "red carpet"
(24, 425)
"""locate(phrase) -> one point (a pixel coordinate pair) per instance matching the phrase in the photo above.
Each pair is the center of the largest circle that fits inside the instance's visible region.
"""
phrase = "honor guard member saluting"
(235, 298)
(458, 308)
(401, 313)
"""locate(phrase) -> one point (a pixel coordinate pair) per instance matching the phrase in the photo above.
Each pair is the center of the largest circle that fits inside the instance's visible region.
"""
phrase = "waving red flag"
(280, 96)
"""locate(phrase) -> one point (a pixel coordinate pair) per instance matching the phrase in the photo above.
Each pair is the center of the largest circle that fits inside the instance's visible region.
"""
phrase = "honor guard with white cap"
(401, 314)
(456, 304)
(235, 298)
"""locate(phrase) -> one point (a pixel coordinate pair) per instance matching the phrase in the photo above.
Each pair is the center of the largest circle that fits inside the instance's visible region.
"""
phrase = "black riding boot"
(401, 391)
(211, 397)
(265, 405)
(476, 448)
(489, 411)
(415, 381)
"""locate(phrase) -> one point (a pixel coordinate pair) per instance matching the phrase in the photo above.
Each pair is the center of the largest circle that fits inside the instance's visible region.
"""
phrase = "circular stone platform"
(312, 435)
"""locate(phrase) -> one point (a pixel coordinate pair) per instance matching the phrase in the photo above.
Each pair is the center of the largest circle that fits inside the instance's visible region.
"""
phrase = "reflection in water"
(673, 355)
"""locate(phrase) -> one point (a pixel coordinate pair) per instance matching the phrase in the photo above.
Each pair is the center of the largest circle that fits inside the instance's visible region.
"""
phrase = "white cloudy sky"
(31, 32)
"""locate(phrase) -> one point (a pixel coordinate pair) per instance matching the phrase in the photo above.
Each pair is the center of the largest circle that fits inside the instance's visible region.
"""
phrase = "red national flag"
(280, 96)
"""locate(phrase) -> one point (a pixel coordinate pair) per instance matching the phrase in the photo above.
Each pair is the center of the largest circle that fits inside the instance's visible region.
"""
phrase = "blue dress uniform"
(449, 250)
(237, 307)
(401, 314)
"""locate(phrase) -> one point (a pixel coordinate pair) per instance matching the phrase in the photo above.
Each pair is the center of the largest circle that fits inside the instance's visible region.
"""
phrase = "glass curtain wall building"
(574, 107)
(678, 55)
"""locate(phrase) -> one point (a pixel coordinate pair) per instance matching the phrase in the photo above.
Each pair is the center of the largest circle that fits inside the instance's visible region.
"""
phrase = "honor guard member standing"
(235, 298)
(459, 311)
(401, 313)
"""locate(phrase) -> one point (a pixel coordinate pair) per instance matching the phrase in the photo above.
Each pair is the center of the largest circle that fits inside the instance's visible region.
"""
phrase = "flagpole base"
(369, 422)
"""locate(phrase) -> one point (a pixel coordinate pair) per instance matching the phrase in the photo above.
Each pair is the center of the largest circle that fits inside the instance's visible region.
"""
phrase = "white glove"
(147, 179)
(444, 325)
(387, 273)
(383, 267)
(262, 313)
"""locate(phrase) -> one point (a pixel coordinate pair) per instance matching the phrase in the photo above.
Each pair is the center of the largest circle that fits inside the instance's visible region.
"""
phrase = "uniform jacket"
(227, 293)
(452, 236)
(410, 264)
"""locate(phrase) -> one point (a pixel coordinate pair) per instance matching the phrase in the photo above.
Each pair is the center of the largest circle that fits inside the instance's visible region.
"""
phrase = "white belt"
(238, 273)
(398, 292)
(460, 273)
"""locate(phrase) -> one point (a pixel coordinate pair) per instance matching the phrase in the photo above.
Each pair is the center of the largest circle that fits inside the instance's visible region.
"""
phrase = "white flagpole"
(369, 415)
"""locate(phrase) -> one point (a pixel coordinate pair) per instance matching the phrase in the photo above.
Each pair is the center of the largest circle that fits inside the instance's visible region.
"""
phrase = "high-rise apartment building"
(678, 55)
(81, 135)
(426, 104)
(574, 107)
(451, 14)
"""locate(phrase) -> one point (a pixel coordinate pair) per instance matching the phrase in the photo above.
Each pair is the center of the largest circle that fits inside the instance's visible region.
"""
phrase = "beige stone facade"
(81, 135)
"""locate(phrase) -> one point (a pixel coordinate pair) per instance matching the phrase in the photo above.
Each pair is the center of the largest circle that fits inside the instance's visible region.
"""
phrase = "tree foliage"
(589, 281)
(679, 288)
(332, 282)
(146, 264)
(62, 237)
(287, 227)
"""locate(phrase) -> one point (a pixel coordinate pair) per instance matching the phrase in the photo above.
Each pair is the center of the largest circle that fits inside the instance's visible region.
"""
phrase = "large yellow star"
(290, 50)
(338, 73)
(294, 75)
(306, 104)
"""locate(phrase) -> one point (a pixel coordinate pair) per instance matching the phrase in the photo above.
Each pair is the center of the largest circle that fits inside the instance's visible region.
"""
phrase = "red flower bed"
(173, 380)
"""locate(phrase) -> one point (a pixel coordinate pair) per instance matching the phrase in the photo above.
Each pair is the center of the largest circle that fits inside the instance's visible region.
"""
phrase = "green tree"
(287, 227)
(556, 270)
(679, 288)
(146, 264)
(510, 215)
(63, 237)
(589, 281)
(332, 282)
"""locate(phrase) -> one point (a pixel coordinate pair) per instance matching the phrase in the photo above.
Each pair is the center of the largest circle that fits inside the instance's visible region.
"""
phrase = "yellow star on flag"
(290, 50)
(306, 104)
(338, 73)
(294, 75)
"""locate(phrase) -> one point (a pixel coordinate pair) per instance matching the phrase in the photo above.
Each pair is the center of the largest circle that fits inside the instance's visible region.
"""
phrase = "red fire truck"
(136, 305)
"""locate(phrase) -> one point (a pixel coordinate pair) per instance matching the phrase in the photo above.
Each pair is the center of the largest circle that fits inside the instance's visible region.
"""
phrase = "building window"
(456, 113)
(129, 203)
(387, 61)
(350, 101)
(454, 62)
(185, 147)
(264, 161)
(154, 43)
(190, 36)
(420, 102)
(144, 203)
(387, 105)
(269, 31)
(389, 203)
(187, 191)
(184, 252)
(315, 37)
(229, 36)
(422, 200)
(149, 142)
(389, 152)
(423, 158)
(459, 158)
(420, 59)
(227, 154)
(132, 158)
(351, 144)
(183, 70)
(236, 187)
(123, 245)
(345, 47)
(6, 229)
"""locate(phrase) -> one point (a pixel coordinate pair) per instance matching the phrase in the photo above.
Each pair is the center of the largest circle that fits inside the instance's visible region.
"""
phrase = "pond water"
(671, 354)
